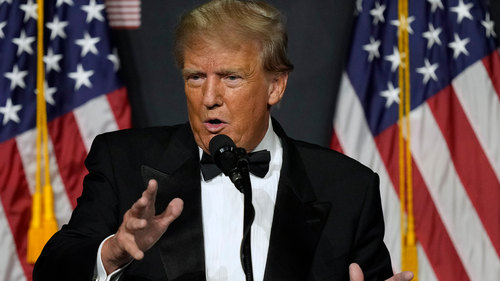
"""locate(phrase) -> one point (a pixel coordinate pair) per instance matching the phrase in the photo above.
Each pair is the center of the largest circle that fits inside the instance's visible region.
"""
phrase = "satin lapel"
(298, 220)
(178, 175)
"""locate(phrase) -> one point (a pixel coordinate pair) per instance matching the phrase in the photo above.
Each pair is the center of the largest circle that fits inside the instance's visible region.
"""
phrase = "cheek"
(250, 112)
(190, 95)
(193, 102)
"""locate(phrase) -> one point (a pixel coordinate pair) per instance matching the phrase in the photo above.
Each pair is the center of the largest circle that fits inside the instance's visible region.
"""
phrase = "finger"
(149, 195)
(150, 192)
(131, 247)
(355, 272)
(403, 276)
(139, 207)
(408, 275)
(148, 198)
(134, 224)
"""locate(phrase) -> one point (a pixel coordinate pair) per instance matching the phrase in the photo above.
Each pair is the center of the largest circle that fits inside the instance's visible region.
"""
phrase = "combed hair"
(233, 22)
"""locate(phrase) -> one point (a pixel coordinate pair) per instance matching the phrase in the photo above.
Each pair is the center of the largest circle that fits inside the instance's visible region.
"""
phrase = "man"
(318, 213)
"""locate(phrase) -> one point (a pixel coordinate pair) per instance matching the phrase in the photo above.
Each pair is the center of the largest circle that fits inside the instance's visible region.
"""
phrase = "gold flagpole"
(409, 245)
(43, 223)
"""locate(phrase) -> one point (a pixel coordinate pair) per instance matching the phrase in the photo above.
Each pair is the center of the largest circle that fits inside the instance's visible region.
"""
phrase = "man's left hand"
(356, 274)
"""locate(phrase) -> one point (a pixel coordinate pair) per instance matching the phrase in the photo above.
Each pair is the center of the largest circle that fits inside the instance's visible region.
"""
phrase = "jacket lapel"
(298, 220)
(178, 175)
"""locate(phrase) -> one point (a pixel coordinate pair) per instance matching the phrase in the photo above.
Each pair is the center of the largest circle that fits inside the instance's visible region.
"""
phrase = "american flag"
(455, 128)
(84, 98)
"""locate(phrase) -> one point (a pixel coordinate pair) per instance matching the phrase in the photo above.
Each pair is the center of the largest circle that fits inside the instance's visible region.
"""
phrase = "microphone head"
(220, 142)
(222, 149)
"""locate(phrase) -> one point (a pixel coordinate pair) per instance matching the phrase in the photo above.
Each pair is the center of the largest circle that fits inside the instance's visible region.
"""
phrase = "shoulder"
(335, 175)
(138, 133)
(325, 158)
(320, 160)
(138, 136)
(137, 142)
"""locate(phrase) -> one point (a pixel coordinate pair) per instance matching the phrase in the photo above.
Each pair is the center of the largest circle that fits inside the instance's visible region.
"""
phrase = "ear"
(277, 89)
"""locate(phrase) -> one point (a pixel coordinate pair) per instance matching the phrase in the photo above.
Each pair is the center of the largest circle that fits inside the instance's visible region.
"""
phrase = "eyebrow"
(227, 71)
(190, 71)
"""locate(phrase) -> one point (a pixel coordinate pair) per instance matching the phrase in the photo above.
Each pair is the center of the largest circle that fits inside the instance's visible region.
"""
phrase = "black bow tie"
(259, 164)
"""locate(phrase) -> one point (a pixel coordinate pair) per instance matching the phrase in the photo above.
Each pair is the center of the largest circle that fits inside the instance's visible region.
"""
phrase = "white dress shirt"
(222, 206)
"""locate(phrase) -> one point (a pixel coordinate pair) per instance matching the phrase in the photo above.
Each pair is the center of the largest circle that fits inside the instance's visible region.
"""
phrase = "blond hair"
(233, 22)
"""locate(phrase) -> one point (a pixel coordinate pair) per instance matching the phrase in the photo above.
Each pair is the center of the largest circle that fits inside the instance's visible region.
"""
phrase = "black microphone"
(229, 158)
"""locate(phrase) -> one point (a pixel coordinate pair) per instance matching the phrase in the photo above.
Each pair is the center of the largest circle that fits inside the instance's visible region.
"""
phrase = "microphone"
(229, 158)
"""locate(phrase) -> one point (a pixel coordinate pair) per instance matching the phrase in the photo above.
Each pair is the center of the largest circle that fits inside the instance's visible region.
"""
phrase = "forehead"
(217, 53)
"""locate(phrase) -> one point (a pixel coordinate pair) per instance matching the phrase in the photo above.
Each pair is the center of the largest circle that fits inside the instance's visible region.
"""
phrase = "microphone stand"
(244, 185)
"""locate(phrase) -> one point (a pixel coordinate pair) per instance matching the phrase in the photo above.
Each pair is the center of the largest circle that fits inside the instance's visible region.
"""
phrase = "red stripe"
(118, 101)
(123, 2)
(429, 228)
(492, 65)
(125, 27)
(470, 161)
(16, 199)
(70, 153)
(335, 144)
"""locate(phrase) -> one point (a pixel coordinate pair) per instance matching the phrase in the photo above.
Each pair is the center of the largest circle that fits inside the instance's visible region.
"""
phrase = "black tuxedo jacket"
(327, 214)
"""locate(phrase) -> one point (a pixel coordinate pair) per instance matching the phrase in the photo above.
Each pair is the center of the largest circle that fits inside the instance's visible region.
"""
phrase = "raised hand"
(140, 229)
(356, 274)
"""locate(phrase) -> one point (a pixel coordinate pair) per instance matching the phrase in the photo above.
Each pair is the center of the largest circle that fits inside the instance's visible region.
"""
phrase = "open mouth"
(215, 121)
(214, 125)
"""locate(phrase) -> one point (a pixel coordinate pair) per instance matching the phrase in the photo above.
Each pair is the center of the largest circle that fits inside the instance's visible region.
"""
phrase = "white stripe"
(125, 17)
(10, 265)
(425, 273)
(121, 10)
(124, 23)
(480, 102)
(433, 159)
(93, 118)
(26, 143)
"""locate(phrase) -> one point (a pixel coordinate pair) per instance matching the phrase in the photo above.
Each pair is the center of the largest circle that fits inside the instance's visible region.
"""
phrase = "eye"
(232, 78)
(195, 80)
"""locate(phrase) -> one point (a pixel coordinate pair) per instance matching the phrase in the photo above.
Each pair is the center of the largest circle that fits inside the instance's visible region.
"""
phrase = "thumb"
(355, 272)
(403, 276)
(173, 211)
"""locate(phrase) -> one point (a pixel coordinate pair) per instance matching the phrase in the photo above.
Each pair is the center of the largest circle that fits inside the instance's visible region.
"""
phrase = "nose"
(212, 92)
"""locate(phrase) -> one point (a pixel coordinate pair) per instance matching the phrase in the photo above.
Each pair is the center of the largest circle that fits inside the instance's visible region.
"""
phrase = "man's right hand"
(140, 229)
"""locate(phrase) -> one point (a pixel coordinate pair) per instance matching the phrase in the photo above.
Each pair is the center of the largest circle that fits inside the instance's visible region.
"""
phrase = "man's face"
(228, 92)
